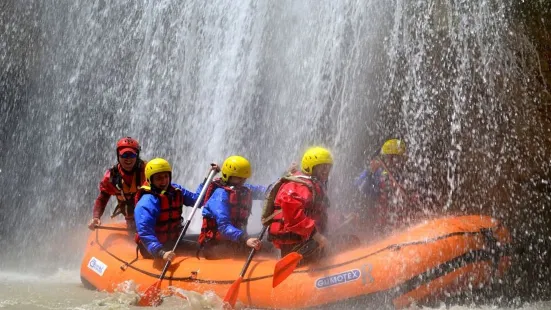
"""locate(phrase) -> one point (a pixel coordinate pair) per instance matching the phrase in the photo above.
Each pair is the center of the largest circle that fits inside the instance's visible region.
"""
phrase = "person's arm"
(218, 205)
(199, 189)
(293, 198)
(106, 190)
(258, 192)
(361, 179)
(365, 184)
(100, 204)
(189, 198)
(145, 215)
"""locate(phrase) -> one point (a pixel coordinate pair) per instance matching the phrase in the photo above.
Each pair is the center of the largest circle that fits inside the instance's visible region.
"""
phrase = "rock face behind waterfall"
(534, 186)
(484, 143)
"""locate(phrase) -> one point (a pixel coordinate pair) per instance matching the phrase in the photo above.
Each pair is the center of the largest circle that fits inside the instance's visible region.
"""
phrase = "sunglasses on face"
(128, 155)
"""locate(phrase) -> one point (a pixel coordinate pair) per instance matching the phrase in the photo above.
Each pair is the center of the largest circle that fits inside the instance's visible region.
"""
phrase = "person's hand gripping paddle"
(152, 295)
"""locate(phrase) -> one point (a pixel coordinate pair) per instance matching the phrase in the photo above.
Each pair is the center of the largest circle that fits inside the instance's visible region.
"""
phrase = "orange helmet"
(128, 144)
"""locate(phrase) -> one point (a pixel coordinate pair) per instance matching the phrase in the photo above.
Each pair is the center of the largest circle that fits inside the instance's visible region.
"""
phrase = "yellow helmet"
(315, 156)
(393, 147)
(156, 165)
(236, 166)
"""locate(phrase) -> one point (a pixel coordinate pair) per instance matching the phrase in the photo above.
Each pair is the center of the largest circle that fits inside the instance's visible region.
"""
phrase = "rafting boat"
(440, 256)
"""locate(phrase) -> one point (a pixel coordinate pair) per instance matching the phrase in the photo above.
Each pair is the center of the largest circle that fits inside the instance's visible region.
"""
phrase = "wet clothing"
(380, 187)
(158, 215)
(227, 210)
(373, 181)
(304, 207)
(123, 185)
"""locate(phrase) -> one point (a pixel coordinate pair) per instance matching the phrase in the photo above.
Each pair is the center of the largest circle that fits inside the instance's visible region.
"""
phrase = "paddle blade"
(151, 296)
(284, 267)
(233, 292)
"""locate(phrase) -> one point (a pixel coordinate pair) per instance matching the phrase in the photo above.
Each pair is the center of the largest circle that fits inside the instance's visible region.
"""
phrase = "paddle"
(231, 295)
(287, 265)
(151, 296)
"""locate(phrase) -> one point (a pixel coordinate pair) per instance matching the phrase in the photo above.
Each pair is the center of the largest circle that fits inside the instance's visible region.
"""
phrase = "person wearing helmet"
(158, 210)
(227, 210)
(121, 181)
(380, 182)
(304, 203)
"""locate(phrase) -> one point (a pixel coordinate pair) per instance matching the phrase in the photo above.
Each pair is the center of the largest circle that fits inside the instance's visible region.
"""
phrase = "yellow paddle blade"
(285, 267)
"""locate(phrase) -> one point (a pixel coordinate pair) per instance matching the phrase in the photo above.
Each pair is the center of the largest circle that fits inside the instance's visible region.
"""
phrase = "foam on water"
(27, 291)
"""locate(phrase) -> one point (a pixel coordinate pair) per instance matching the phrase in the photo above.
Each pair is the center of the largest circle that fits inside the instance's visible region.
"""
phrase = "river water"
(197, 81)
(64, 291)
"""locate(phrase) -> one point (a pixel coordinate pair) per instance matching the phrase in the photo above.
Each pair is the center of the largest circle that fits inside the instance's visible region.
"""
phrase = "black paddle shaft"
(253, 251)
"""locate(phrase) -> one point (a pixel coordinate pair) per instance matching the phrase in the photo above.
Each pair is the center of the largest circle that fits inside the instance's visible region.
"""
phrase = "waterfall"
(198, 81)
(193, 82)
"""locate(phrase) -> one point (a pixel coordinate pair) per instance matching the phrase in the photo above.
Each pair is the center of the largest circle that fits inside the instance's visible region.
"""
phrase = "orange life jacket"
(169, 221)
(240, 204)
(126, 195)
(316, 210)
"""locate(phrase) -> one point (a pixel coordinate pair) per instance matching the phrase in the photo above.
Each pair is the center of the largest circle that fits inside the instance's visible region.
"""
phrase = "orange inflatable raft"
(437, 256)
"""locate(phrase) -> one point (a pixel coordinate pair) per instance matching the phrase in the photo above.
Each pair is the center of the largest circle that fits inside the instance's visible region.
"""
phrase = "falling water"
(198, 81)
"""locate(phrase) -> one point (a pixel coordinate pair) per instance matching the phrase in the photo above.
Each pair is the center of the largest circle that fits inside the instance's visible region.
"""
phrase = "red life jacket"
(126, 192)
(316, 210)
(169, 221)
(240, 204)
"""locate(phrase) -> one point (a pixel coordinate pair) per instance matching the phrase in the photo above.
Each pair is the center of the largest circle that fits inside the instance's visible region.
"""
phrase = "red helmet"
(128, 144)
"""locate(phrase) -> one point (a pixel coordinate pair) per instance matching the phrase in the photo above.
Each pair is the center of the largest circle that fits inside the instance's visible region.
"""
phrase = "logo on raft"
(97, 266)
(343, 277)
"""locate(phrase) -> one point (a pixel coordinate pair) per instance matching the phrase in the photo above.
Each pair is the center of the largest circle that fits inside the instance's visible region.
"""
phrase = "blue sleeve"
(199, 189)
(258, 191)
(217, 207)
(188, 197)
(361, 179)
(365, 184)
(145, 215)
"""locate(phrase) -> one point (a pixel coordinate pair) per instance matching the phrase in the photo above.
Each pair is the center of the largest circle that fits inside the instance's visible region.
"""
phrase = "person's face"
(236, 181)
(321, 172)
(128, 160)
(161, 180)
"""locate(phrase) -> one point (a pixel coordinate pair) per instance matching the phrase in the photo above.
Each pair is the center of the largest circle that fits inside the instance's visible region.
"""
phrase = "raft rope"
(110, 228)
(493, 253)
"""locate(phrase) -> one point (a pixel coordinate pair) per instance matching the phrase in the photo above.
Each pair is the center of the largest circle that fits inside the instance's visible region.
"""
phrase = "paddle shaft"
(190, 217)
(253, 251)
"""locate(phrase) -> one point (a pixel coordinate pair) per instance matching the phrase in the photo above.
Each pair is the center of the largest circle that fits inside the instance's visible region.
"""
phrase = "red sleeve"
(100, 204)
(293, 199)
(106, 190)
